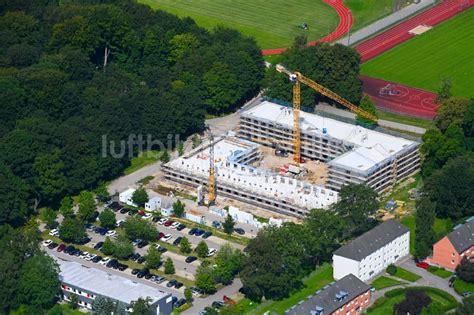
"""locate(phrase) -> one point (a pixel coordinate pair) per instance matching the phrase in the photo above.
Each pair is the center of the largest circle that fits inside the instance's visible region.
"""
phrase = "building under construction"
(353, 154)
(349, 154)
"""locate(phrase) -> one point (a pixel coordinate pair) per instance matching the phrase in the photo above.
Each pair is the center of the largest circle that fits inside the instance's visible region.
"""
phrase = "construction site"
(288, 161)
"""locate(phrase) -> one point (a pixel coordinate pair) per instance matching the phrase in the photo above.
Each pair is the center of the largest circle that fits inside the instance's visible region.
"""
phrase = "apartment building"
(88, 283)
(451, 249)
(348, 295)
(371, 253)
(353, 154)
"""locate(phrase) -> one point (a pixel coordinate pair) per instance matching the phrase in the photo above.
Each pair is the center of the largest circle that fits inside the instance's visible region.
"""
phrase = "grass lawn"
(384, 282)
(440, 272)
(144, 159)
(427, 59)
(418, 122)
(385, 304)
(315, 281)
(273, 23)
(406, 275)
(461, 286)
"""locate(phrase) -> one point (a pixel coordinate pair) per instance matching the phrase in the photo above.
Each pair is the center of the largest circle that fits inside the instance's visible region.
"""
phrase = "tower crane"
(297, 78)
(211, 183)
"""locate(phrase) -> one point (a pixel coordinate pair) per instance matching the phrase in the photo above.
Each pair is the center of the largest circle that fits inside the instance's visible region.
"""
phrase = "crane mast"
(297, 78)
(212, 171)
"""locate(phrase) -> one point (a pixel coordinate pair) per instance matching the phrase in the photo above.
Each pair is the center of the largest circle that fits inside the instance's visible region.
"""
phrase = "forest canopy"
(73, 71)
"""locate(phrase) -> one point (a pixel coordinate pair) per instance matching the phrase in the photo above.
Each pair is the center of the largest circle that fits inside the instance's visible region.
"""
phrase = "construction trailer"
(353, 153)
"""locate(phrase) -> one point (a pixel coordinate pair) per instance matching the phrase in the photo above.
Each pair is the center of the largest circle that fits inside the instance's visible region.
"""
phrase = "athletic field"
(444, 52)
(273, 23)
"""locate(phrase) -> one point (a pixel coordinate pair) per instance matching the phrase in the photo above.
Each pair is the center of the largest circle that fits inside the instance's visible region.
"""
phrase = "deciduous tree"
(87, 206)
(228, 224)
(169, 266)
(202, 249)
(185, 246)
(153, 258)
(72, 230)
(107, 218)
(178, 208)
(140, 196)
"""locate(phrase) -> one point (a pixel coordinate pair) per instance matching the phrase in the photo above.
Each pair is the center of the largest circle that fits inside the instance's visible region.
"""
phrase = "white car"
(211, 252)
(46, 242)
(162, 221)
(111, 233)
(54, 232)
(175, 225)
(84, 255)
(119, 223)
(90, 257)
(147, 216)
(104, 261)
(167, 237)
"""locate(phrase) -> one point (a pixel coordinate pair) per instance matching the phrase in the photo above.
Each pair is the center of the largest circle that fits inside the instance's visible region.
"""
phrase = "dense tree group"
(279, 257)
(78, 74)
(334, 66)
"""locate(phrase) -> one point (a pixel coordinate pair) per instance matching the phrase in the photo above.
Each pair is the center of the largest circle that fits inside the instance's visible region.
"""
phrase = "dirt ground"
(317, 172)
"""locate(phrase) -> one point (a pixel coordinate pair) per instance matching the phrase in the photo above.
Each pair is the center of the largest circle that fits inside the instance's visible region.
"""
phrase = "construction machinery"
(211, 185)
(297, 78)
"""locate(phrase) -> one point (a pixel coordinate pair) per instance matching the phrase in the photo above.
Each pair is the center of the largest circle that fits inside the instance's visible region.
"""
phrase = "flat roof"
(370, 146)
(372, 240)
(325, 300)
(227, 152)
(106, 284)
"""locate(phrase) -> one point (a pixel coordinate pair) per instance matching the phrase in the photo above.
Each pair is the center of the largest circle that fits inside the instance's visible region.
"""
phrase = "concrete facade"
(371, 253)
(354, 154)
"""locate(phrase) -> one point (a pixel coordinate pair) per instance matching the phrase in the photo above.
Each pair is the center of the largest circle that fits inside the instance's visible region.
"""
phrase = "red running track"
(399, 33)
(400, 99)
(345, 23)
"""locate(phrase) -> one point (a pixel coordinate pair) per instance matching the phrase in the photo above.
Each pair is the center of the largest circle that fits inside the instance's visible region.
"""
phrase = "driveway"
(199, 304)
(428, 279)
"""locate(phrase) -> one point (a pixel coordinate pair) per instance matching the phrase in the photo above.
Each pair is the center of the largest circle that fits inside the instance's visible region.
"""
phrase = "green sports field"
(273, 23)
(444, 52)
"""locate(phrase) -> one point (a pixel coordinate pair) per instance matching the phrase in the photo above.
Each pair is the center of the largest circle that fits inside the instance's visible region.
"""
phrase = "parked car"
(192, 231)
(162, 249)
(53, 245)
(179, 303)
(466, 293)
(135, 256)
(147, 216)
(199, 232)
(136, 242)
(61, 247)
(84, 240)
(141, 260)
(112, 264)
(54, 232)
(135, 271)
(98, 246)
(160, 236)
(114, 205)
(158, 279)
(190, 259)
(124, 210)
(90, 257)
(143, 272)
(46, 242)
(105, 261)
(96, 259)
(217, 304)
(181, 227)
(167, 237)
(148, 276)
(239, 231)
(206, 235)
(122, 267)
(68, 249)
(142, 244)
(216, 224)
(162, 221)
(119, 223)
(111, 233)
(178, 285)
(177, 241)
(423, 265)
(168, 223)
(211, 252)
(171, 283)
(175, 225)
(156, 219)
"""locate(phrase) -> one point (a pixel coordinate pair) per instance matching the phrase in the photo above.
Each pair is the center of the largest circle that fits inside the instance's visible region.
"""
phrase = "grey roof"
(372, 240)
(326, 298)
(102, 283)
(462, 237)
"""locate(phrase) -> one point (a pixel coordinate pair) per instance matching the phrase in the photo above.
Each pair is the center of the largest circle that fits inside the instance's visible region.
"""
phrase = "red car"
(168, 223)
(61, 247)
(160, 236)
(141, 212)
(423, 265)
